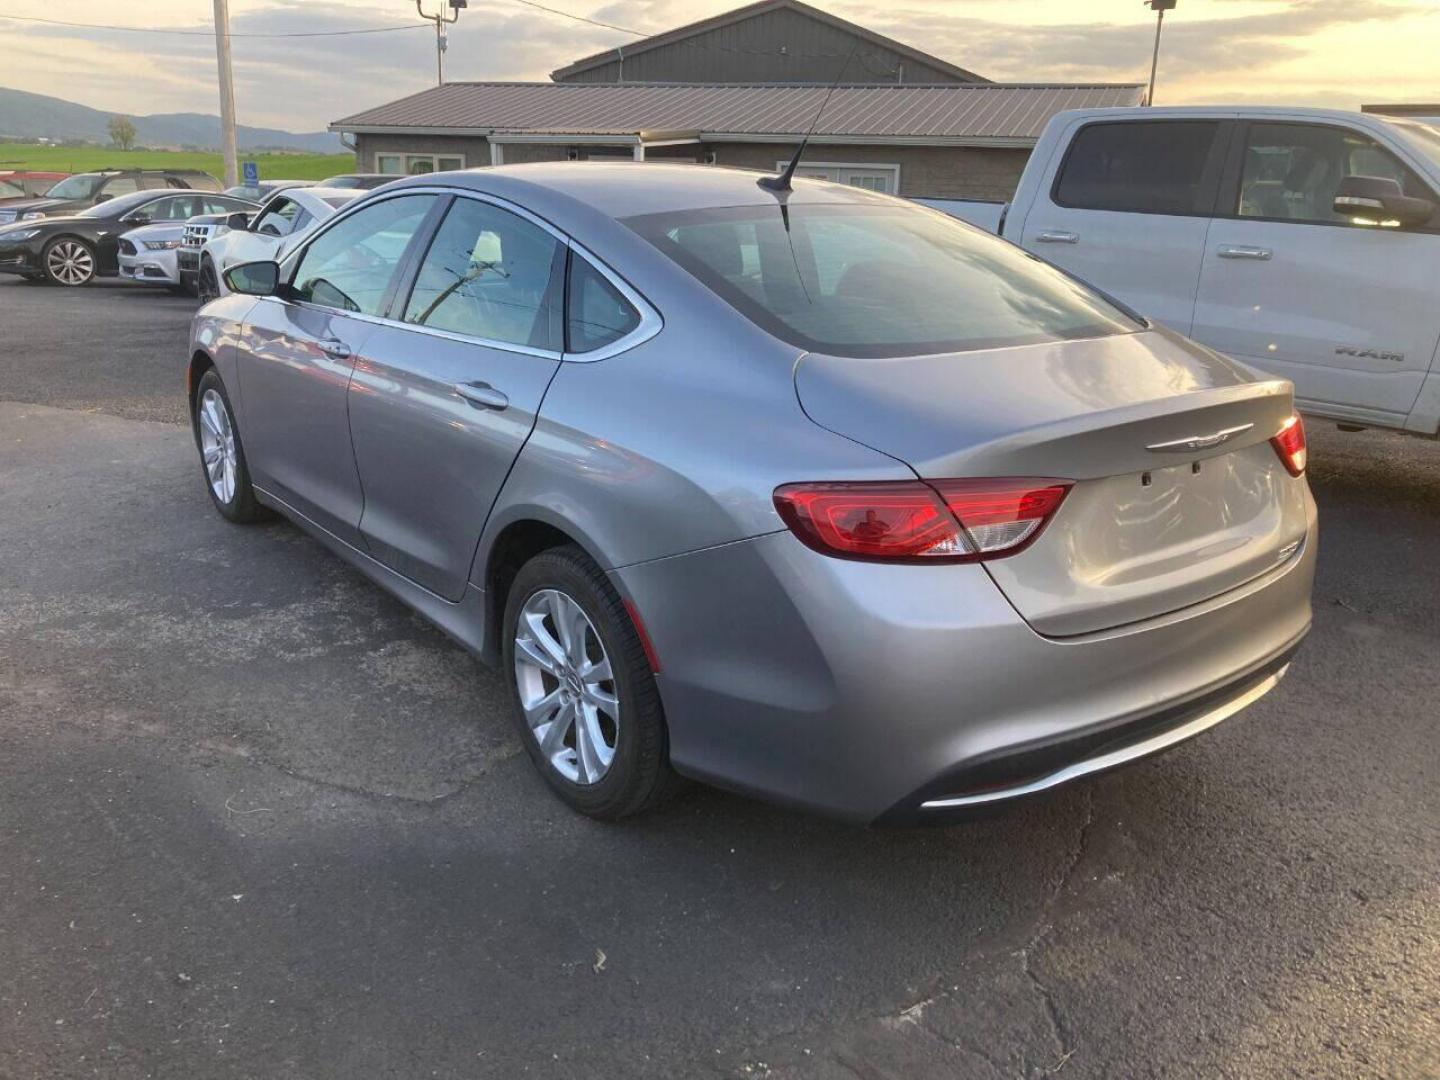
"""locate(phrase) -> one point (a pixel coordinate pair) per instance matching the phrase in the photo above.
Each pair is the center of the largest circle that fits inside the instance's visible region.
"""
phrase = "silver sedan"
(815, 494)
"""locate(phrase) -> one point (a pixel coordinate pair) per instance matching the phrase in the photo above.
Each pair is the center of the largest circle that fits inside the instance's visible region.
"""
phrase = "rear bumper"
(865, 691)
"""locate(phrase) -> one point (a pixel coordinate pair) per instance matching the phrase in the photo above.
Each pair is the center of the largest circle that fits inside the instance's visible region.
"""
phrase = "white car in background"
(149, 254)
(285, 217)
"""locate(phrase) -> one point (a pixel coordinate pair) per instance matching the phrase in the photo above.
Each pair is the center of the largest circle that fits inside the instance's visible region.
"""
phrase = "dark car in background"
(84, 190)
(77, 248)
(16, 184)
(364, 181)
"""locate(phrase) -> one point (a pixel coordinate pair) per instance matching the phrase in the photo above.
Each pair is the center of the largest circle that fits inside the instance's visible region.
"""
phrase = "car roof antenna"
(782, 182)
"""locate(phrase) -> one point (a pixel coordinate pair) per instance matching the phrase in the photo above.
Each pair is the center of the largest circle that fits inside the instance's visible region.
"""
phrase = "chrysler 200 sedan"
(816, 495)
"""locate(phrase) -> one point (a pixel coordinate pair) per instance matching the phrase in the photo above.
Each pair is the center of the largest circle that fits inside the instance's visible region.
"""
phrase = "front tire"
(583, 694)
(207, 286)
(68, 261)
(222, 455)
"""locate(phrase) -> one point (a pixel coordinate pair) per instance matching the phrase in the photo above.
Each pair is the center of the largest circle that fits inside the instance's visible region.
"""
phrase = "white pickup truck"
(1304, 242)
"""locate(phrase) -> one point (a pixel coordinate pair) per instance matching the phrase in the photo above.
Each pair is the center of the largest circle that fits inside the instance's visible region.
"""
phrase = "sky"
(1337, 53)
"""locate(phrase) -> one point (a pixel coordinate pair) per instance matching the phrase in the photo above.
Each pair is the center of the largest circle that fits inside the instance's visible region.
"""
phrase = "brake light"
(918, 522)
(1290, 445)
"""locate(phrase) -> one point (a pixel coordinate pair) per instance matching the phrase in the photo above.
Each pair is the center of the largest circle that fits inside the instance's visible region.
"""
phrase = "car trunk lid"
(1178, 495)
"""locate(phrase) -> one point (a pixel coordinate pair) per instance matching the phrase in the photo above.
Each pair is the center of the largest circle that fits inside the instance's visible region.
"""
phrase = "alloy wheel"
(217, 445)
(70, 262)
(567, 687)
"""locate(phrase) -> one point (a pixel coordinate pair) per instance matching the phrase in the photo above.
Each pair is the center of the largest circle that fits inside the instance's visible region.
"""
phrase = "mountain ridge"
(28, 116)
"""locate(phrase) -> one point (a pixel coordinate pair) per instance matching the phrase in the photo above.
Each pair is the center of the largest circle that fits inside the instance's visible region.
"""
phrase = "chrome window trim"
(651, 322)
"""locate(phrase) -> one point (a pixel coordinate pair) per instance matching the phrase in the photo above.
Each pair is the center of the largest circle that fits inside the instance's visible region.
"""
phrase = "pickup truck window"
(1146, 167)
(1290, 172)
(878, 280)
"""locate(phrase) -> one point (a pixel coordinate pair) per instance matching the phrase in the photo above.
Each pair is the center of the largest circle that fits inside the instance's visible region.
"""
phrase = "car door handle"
(1239, 251)
(482, 395)
(336, 350)
(1053, 236)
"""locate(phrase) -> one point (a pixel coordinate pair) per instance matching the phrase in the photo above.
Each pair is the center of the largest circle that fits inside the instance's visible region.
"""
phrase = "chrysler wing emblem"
(1198, 442)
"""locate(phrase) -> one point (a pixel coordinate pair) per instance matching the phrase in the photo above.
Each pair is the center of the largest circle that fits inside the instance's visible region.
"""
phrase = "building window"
(882, 178)
(417, 164)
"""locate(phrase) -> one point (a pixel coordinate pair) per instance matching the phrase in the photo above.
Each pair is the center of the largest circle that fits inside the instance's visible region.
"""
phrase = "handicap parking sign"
(252, 174)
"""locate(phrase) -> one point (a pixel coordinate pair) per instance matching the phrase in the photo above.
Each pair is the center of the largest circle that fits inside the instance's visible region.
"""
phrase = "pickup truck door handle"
(1239, 251)
(336, 350)
(1053, 236)
(482, 395)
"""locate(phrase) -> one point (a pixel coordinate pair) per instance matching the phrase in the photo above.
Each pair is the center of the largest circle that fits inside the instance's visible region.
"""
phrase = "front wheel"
(208, 285)
(584, 696)
(69, 261)
(222, 455)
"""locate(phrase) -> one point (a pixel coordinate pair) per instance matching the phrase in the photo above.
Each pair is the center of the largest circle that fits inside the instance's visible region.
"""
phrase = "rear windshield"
(881, 280)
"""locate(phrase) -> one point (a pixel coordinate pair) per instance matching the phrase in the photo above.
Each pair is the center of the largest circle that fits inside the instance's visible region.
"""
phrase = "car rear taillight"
(919, 522)
(1290, 445)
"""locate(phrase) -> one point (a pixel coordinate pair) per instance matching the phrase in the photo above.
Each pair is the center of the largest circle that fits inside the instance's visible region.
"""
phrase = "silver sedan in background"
(815, 494)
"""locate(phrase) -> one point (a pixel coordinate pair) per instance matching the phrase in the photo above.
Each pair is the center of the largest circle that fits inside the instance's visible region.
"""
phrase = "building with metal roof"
(954, 135)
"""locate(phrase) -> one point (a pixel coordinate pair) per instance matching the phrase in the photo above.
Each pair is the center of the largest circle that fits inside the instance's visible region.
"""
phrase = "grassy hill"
(85, 158)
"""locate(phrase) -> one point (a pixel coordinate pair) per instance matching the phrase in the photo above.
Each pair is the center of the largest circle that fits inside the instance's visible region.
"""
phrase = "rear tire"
(222, 455)
(610, 756)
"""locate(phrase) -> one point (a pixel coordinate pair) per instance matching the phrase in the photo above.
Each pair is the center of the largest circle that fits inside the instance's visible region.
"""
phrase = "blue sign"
(252, 174)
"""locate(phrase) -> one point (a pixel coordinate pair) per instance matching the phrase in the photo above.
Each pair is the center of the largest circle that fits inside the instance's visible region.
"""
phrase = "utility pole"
(1159, 7)
(441, 22)
(227, 91)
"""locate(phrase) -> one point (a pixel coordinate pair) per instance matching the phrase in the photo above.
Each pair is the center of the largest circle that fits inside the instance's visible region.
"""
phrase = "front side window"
(489, 274)
(176, 209)
(219, 204)
(872, 281)
(1291, 172)
(596, 314)
(1147, 167)
(121, 185)
(350, 265)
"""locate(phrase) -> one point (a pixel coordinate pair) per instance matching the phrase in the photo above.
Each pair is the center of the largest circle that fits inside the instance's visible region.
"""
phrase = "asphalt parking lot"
(257, 820)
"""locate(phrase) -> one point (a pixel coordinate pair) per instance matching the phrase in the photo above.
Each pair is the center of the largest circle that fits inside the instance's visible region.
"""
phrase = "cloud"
(301, 84)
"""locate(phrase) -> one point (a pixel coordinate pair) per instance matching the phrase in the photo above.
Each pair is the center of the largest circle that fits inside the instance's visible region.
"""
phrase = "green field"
(86, 158)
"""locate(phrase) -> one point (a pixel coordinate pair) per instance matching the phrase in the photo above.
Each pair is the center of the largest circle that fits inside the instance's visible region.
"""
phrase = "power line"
(582, 18)
(211, 33)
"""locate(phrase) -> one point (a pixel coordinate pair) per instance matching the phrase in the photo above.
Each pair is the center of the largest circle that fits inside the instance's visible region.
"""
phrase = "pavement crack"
(412, 800)
(1060, 1034)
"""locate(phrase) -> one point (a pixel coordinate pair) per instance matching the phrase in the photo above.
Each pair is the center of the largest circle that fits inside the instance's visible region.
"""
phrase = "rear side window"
(596, 313)
(1151, 167)
(489, 274)
(350, 266)
(871, 281)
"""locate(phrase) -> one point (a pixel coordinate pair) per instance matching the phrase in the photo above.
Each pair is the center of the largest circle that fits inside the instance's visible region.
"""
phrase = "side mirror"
(253, 278)
(1380, 200)
(136, 219)
(239, 220)
(102, 197)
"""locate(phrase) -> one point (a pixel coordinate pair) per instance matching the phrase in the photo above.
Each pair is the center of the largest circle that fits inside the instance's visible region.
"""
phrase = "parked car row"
(154, 226)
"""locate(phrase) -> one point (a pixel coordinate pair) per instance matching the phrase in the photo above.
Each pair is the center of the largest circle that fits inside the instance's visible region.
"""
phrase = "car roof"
(622, 189)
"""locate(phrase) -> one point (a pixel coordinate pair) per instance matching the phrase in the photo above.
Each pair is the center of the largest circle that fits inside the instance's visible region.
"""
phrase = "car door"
(297, 353)
(107, 238)
(447, 393)
(1129, 208)
(1343, 308)
(265, 234)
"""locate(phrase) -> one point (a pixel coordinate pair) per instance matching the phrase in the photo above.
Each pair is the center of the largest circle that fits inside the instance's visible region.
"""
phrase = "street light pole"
(227, 92)
(1159, 7)
(441, 22)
